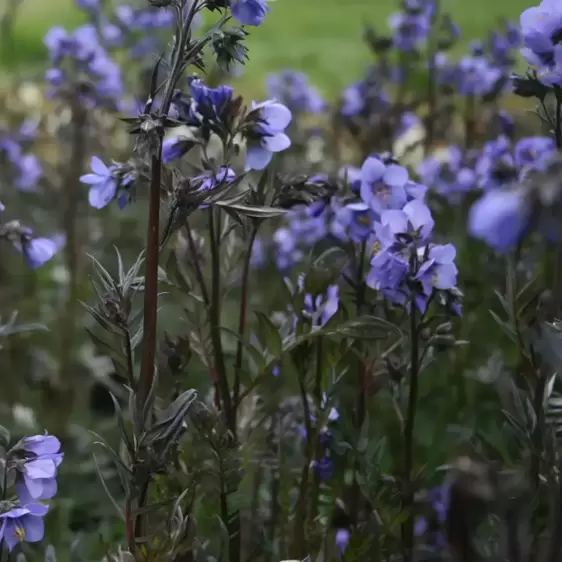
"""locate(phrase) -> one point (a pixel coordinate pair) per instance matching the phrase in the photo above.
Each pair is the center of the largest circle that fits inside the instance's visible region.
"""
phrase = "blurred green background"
(321, 37)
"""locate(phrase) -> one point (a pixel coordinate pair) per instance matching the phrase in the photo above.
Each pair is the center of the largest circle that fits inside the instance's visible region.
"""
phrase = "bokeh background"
(320, 37)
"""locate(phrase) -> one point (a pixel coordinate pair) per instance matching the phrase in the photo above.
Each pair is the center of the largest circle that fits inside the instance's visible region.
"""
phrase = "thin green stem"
(408, 492)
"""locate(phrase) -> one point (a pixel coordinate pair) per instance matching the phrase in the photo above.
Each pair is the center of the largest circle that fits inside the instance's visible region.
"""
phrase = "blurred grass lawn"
(321, 37)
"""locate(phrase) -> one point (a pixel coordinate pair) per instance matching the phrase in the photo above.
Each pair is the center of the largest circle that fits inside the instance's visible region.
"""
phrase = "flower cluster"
(293, 89)
(432, 526)
(32, 464)
(541, 28)
(502, 216)
(81, 66)
(14, 150)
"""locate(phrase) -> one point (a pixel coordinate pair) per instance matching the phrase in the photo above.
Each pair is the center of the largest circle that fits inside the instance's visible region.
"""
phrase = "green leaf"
(269, 331)
(254, 212)
(367, 328)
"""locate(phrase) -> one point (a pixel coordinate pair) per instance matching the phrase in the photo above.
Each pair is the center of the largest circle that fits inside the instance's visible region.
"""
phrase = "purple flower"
(30, 171)
(413, 224)
(495, 167)
(209, 103)
(308, 222)
(210, 180)
(342, 540)
(89, 5)
(294, 90)
(269, 120)
(439, 271)
(476, 76)
(541, 28)
(175, 148)
(409, 31)
(354, 221)
(22, 524)
(383, 187)
(38, 472)
(451, 178)
(324, 467)
(533, 152)
(500, 218)
(287, 253)
(388, 272)
(321, 307)
(249, 12)
(38, 251)
(103, 184)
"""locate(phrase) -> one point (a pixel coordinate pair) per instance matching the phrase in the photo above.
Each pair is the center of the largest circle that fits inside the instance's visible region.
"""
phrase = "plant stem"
(557, 274)
(408, 493)
(215, 312)
(361, 382)
(299, 549)
(233, 523)
(197, 266)
(151, 284)
(469, 123)
(72, 252)
(242, 319)
(314, 494)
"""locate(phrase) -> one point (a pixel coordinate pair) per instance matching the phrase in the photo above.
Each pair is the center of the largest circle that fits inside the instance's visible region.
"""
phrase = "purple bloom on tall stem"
(541, 27)
(388, 271)
(500, 218)
(414, 220)
(249, 12)
(37, 480)
(22, 524)
(382, 186)
(439, 271)
(269, 120)
(103, 184)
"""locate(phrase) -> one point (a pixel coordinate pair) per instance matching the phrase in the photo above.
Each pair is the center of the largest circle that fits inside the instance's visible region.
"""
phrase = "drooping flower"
(37, 473)
(265, 133)
(22, 524)
(103, 184)
(38, 251)
(249, 12)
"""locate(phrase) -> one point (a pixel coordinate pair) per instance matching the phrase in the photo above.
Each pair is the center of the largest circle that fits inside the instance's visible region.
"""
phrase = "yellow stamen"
(19, 532)
(376, 247)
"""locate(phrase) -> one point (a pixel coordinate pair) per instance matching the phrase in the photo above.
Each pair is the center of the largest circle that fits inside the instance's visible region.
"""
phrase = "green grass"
(321, 37)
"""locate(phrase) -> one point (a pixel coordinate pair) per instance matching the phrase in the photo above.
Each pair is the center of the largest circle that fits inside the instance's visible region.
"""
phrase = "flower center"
(19, 533)
(556, 37)
(363, 220)
(381, 190)
(376, 247)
